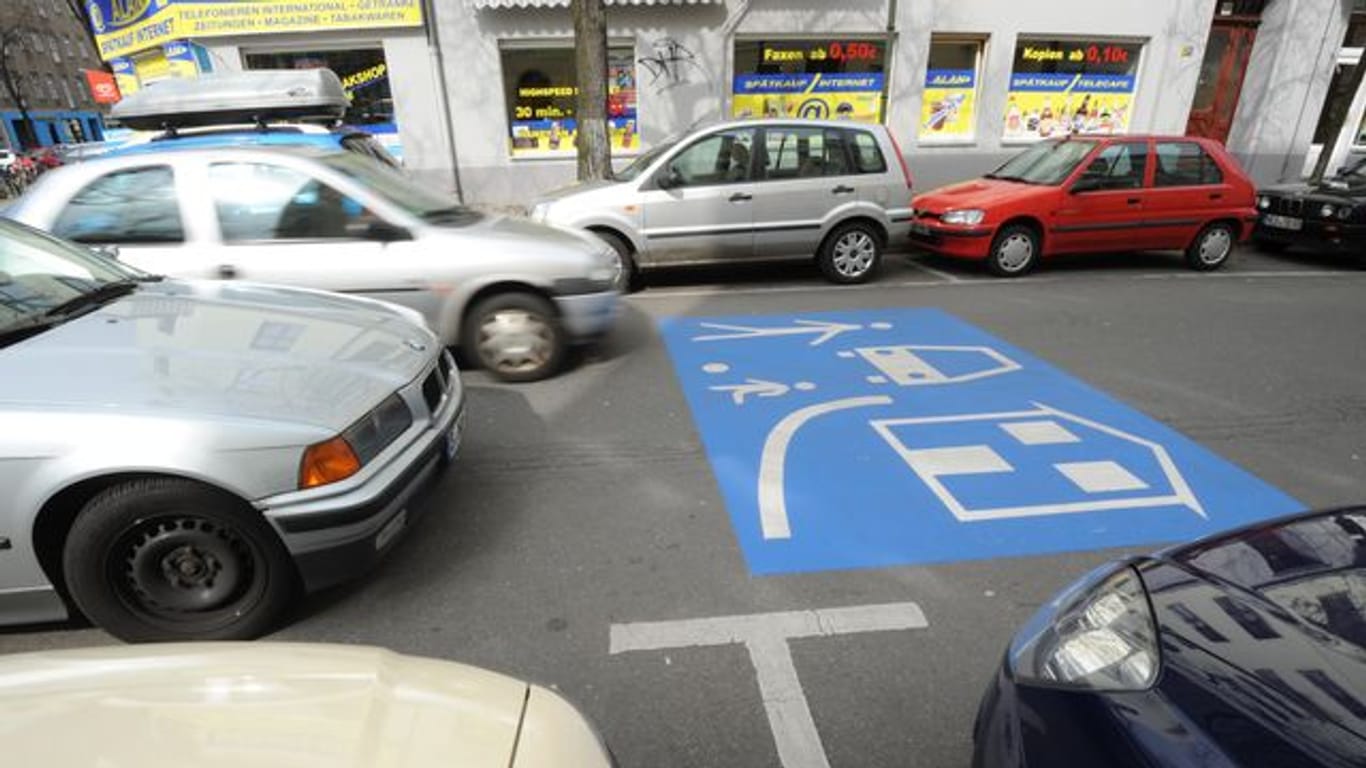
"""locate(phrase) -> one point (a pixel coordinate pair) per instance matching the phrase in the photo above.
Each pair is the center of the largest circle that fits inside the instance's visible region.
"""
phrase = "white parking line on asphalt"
(939, 273)
(766, 636)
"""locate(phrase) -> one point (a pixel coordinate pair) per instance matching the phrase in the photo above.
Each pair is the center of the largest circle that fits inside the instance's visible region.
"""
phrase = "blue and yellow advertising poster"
(1044, 105)
(1063, 87)
(831, 95)
(181, 59)
(949, 106)
(125, 75)
(125, 26)
(543, 115)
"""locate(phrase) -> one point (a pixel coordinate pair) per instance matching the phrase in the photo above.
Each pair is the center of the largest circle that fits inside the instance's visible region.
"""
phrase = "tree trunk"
(1338, 123)
(28, 132)
(590, 110)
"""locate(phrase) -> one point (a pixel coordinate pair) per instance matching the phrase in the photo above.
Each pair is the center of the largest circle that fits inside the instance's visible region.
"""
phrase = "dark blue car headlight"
(1098, 634)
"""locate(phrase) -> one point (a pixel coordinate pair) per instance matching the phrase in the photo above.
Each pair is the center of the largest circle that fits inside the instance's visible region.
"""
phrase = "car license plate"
(1283, 222)
(391, 529)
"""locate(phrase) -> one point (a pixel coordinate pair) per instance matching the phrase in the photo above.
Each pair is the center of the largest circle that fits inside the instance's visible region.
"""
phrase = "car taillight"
(900, 158)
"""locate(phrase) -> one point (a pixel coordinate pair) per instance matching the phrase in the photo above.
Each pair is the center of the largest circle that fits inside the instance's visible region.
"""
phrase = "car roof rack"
(256, 96)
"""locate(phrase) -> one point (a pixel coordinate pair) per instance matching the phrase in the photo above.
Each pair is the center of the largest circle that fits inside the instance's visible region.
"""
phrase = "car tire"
(165, 559)
(1211, 248)
(515, 337)
(851, 253)
(628, 276)
(1014, 251)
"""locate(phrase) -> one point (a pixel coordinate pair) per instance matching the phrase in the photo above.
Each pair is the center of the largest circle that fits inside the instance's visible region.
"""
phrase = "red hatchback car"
(1087, 194)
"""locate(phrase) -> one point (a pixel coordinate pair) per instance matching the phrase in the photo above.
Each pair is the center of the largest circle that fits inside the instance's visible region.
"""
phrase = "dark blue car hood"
(1263, 637)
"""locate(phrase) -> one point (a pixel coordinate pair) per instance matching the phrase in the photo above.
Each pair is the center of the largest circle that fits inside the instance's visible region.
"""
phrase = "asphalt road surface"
(584, 528)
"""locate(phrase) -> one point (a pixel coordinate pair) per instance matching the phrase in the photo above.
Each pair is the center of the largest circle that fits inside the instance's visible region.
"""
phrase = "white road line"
(1265, 273)
(766, 637)
(773, 461)
(939, 273)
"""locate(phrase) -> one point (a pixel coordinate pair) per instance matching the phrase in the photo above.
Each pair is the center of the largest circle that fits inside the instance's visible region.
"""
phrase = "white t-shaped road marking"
(765, 635)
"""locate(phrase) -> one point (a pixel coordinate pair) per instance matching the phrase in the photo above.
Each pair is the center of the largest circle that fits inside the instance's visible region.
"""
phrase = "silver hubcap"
(515, 341)
(1015, 252)
(1215, 246)
(854, 254)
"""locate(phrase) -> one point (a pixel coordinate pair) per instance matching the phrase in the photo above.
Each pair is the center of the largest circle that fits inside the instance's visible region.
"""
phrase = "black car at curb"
(1328, 216)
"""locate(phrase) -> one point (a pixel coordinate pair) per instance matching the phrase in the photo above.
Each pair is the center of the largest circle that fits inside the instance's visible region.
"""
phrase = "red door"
(1102, 207)
(1221, 77)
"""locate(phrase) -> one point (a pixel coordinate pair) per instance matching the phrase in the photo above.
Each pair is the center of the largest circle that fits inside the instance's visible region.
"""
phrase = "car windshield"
(1048, 163)
(645, 160)
(41, 277)
(428, 205)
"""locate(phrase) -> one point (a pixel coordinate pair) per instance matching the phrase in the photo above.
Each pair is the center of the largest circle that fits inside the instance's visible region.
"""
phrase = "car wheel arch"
(58, 513)
(1033, 222)
(879, 227)
(492, 289)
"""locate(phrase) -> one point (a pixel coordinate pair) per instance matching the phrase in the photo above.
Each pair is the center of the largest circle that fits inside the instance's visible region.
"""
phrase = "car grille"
(1287, 206)
(434, 386)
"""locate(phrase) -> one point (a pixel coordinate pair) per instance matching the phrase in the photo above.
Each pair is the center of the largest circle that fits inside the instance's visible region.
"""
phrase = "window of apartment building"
(1339, 98)
(540, 87)
(1063, 86)
(949, 104)
(811, 78)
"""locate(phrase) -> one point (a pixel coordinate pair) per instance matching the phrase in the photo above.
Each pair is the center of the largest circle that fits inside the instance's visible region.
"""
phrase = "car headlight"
(1264, 202)
(1327, 211)
(1097, 635)
(344, 455)
(968, 217)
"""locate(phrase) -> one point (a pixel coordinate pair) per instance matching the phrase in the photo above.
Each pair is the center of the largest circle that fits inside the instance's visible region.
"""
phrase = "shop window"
(1185, 164)
(364, 74)
(257, 202)
(949, 104)
(540, 88)
(1059, 87)
(124, 207)
(801, 153)
(810, 78)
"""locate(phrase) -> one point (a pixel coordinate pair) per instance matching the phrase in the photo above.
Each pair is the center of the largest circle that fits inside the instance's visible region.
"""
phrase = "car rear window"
(867, 154)
(1185, 164)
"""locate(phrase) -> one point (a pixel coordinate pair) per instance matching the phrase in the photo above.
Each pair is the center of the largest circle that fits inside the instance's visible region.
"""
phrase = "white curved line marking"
(772, 495)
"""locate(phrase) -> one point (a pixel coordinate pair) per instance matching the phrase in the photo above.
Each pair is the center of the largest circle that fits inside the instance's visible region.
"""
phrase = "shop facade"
(379, 48)
(961, 85)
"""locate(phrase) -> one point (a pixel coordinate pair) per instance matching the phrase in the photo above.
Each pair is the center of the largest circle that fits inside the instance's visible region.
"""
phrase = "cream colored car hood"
(254, 704)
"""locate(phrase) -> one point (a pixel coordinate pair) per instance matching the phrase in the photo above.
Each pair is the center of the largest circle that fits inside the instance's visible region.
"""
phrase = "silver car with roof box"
(751, 190)
(179, 457)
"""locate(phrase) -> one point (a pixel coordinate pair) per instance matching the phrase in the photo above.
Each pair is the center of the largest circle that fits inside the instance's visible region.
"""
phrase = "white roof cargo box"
(255, 96)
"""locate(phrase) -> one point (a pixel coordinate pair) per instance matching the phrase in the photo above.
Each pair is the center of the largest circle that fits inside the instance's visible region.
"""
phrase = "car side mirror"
(1087, 184)
(385, 232)
(668, 178)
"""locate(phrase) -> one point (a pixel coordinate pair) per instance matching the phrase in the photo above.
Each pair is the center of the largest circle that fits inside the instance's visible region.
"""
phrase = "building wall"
(49, 71)
(1173, 33)
(1284, 88)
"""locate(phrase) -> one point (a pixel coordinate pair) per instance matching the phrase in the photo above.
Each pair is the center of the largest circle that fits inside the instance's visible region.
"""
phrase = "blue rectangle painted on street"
(902, 436)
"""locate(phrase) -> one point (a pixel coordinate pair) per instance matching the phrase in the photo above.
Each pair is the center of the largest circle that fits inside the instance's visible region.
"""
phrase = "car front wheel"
(515, 337)
(1212, 247)
(627, 275)
(172, 560)
(1014, 251)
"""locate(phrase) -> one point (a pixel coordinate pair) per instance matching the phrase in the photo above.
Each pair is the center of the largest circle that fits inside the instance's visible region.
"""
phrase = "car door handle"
(1134, 200)
(740, 197)
(842, 190)
(227, 272)
(1216, 195)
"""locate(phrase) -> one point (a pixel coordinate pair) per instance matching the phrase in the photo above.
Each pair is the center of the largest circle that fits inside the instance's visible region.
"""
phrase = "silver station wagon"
(513, 294)
(751, 190)
(179, 458)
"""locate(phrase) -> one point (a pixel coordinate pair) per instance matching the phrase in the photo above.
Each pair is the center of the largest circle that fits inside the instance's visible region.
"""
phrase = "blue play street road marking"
(902, 436)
